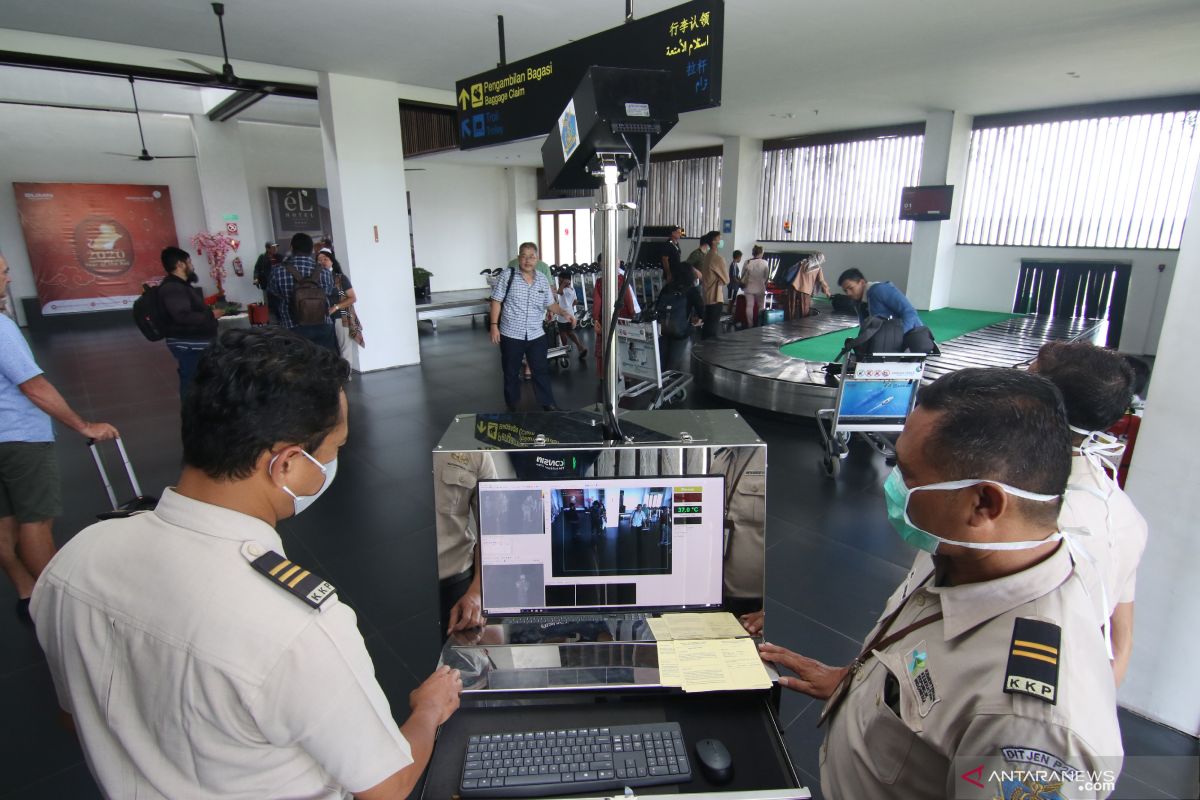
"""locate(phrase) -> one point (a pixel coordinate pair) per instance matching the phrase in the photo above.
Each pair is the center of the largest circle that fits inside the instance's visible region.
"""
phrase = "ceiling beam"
(176, 76)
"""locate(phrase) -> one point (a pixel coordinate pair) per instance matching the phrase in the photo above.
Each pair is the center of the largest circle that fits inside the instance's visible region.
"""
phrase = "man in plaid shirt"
(282, 285)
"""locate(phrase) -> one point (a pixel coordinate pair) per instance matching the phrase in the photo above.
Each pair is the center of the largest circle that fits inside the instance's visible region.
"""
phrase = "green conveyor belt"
(946, 323)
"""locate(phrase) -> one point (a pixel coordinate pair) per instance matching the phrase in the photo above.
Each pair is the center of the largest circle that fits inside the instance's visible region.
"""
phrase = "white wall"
(986, 278)
(277, 155)
(66, 145)
(1161, 682)
(460, 222)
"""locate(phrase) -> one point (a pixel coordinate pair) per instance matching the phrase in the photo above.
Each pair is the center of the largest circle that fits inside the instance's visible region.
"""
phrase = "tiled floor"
(833, 558)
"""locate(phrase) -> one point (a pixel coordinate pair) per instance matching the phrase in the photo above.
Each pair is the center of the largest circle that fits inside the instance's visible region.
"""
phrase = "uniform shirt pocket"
(888, 739)
(458, 484)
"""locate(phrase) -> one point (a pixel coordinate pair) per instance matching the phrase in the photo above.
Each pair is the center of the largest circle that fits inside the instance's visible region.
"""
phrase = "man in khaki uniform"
(989, 658)
(455, 476)
(745, 471)
(1097, 388)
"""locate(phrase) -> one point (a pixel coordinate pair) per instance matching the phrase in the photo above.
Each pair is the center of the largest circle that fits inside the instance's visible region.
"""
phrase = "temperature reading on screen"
(687, 509)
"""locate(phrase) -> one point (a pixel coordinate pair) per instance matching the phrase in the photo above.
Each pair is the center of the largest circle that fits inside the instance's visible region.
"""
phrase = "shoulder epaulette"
(310, 588)
(1033, 659)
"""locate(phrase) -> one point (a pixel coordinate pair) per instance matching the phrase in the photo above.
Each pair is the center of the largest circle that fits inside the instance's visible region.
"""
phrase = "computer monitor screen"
(589, 544)
(875, 405)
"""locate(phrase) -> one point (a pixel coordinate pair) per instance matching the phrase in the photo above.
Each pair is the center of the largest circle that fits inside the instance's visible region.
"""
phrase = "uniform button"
(255, 550)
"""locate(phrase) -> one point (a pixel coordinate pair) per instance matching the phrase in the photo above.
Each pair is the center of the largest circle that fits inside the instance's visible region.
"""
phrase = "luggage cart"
(556, 353)
(874, 398)
(637, 349)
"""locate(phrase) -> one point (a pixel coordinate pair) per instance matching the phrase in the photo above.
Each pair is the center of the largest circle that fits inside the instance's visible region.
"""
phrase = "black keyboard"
(571, 761)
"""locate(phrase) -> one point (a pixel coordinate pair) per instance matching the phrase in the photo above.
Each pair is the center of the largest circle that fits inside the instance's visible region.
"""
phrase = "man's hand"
(217, 313)
(812, 677)
(100, 431)
(752, 622)
(495, 333)
(467, 612)
(438, 695)
(574, 322)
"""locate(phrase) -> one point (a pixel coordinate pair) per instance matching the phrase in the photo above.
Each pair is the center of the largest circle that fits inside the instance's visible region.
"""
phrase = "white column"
(741, 181)
(1161, 683)
(520, 190)
(943, 161)
(222, 170)
(364, 168)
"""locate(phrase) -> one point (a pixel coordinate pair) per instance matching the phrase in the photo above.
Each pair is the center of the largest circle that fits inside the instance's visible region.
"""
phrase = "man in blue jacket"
(883, 299)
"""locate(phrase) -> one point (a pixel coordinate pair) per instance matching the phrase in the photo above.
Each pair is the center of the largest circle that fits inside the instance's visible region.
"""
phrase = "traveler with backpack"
(188, 323)
(305, 294)
(884, 300)
(520, 300)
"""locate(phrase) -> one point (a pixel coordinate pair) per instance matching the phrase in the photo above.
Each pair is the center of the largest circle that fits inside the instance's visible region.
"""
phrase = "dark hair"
(334, 266)
(172, 257)
(737, 253)
(852, 274)
(302, 244)
(756, 251)
(1003, 425)
(1096, 383)
(253, 389)
(530, 245)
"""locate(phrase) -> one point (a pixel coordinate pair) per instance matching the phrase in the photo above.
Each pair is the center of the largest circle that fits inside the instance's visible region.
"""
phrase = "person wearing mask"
(696, 258)
(30, 492)
(520, 299)
(735, 276)
(1097, 387)
(240, 673)
(345, 321)
(883, 299)
(714, 276)
(991, 649)
(287, 276)
(191, 324)
(754, 285)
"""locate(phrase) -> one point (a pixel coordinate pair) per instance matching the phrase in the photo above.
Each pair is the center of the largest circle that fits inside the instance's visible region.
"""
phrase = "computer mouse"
(714, 760)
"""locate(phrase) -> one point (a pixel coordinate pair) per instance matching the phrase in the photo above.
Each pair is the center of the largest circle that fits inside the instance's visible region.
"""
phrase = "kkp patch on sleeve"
(1033, 659)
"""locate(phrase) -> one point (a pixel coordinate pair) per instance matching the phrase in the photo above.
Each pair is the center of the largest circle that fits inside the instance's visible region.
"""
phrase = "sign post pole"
(609, 207)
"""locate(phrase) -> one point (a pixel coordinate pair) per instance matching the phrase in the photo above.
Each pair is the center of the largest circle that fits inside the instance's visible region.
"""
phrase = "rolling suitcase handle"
(133, 481)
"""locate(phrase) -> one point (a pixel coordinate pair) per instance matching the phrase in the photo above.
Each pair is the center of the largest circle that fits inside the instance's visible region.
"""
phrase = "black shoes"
(582, 354)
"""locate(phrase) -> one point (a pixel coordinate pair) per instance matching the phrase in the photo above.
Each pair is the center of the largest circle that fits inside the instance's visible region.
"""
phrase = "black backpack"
(310, 304)
(148, 313)
(876, 335)
(671, 311)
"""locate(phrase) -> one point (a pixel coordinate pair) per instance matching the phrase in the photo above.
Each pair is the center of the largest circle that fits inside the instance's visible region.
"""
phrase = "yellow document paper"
(720, 665)
(668, 665)
(714, 625)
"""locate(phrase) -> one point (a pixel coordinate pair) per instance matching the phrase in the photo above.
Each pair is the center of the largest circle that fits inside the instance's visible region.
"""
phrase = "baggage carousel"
(747, 366)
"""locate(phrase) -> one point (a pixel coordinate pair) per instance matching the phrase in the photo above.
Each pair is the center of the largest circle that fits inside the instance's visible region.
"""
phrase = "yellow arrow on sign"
(462, 99)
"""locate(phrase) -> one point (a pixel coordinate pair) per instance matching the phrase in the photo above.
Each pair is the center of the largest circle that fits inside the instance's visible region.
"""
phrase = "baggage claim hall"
(724, 398)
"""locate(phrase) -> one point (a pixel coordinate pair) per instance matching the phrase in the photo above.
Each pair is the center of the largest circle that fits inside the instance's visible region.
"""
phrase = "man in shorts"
(30, 497)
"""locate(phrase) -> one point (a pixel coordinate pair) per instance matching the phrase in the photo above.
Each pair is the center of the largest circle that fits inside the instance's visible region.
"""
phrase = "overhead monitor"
(566, 545)
(613, 111)
(926, 203)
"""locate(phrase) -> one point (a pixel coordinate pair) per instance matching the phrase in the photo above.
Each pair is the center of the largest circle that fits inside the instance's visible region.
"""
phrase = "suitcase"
(140, 502)
(770, 316)
(740, 320)
(259, 315)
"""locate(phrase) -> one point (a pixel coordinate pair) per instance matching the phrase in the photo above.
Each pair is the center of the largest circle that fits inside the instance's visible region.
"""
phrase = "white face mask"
(1103, 451)
(301, 502)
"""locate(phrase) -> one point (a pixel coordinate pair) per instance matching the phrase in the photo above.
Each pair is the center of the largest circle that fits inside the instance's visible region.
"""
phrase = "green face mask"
(720, 244)
(898, 495)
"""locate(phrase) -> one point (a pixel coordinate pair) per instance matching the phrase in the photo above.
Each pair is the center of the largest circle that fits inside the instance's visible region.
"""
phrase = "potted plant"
(421, 283)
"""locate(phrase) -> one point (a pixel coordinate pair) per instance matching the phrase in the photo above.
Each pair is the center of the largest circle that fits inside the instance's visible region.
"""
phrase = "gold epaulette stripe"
(275, 570)
(1038, 656)
(1035, 646)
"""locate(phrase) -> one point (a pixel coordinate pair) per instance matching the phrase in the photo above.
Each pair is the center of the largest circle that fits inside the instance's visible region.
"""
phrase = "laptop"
(880, 394)
(565, 547)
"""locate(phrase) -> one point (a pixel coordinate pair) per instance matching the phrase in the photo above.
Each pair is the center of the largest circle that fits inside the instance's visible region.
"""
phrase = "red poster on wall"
(93, 245)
